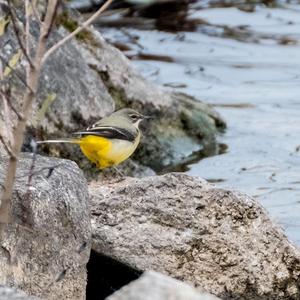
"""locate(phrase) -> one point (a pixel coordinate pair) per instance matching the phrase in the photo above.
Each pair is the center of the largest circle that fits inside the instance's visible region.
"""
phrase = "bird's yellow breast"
(107, 153)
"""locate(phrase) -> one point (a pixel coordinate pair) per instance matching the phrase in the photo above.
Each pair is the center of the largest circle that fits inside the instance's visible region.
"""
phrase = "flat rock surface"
(45, 249)
(152, 285)
(219, 240)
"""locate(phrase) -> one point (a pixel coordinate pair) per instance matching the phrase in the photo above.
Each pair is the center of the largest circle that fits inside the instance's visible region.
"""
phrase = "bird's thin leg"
(118, 171)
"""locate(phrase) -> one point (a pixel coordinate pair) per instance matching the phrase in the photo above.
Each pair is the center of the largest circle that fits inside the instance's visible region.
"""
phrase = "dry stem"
(32, 82)
(33, 72)
(77, 30)
(18, 33)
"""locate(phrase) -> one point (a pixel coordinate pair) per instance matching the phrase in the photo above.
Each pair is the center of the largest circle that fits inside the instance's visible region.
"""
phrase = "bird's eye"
(134, 117)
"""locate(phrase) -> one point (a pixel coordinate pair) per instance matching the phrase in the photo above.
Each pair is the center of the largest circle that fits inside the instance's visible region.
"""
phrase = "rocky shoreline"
(101, 80)
(218, 241)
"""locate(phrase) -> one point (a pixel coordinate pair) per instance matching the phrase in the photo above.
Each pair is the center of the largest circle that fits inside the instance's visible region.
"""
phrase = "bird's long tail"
(72, 141)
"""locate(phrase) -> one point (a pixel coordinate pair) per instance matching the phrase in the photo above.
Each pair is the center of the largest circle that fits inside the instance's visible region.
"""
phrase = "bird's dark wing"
(109, 132)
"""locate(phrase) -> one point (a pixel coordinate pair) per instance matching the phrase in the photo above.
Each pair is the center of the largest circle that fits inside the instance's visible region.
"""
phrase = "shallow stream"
(246, 64)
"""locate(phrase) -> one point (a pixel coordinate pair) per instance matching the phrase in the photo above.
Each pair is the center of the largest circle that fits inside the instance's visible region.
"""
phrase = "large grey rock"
(80, 95)
(152, 285)
(182, 123)
(45, 249)
(219, 240)
(7, 293)
(89, 78)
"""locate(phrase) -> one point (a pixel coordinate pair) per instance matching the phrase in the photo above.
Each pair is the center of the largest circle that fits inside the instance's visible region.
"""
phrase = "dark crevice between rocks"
(107, 275)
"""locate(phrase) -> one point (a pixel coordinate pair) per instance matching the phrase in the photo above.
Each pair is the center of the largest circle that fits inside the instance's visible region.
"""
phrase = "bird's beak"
(148, 117)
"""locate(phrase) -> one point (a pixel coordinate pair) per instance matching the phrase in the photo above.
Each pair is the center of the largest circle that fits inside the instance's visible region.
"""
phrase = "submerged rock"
(45, 249)
(221, 241)
(152, 285)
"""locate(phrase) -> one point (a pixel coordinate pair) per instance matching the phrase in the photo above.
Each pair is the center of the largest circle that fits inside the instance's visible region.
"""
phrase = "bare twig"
(35, 12)
(17, 33)
(7, 148)
(34, 69)
(32, 82)
(31, 170)
(14, 72)
(27, 24)
(77, 30)
(39, 171)
(10, 104)
(27, 213)
(6, 129)
(1, 71)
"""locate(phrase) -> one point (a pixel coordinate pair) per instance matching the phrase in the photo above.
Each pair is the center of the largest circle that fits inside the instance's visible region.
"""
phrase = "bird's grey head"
(131, 115)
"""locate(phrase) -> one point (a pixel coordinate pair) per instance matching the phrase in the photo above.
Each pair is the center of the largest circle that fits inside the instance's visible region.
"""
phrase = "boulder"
(70, 92)
(87, 78)
(181, 125)
(152, 285)
(221, 241)
(44, 250)
(7, 293)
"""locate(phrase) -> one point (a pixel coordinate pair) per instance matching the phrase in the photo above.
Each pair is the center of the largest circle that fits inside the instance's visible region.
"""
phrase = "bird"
(111, 140)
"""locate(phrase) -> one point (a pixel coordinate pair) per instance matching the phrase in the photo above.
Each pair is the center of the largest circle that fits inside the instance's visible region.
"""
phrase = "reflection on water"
(195, 157)
(247, 64)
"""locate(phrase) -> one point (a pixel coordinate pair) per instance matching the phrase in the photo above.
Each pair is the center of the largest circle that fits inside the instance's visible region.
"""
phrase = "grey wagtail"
(111, 140)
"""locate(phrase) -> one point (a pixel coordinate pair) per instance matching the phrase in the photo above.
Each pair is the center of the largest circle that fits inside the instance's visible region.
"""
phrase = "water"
(248, 66)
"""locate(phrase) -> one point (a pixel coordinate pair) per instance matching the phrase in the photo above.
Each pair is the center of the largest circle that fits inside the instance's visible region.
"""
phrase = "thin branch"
(1, 71)
(8, 121)
(27, 213)
(40, 57)
(77, 30)
(14, 72)
(31, 170)
(35, 12)
(39, 171)
(45, 30)
(27, 24)
(52, 16)
(10, 104)
(7, 148)
(29, 97)
(17, 33)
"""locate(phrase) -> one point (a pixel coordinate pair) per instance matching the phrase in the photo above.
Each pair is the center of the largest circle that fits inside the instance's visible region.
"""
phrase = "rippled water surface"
(247, 64)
